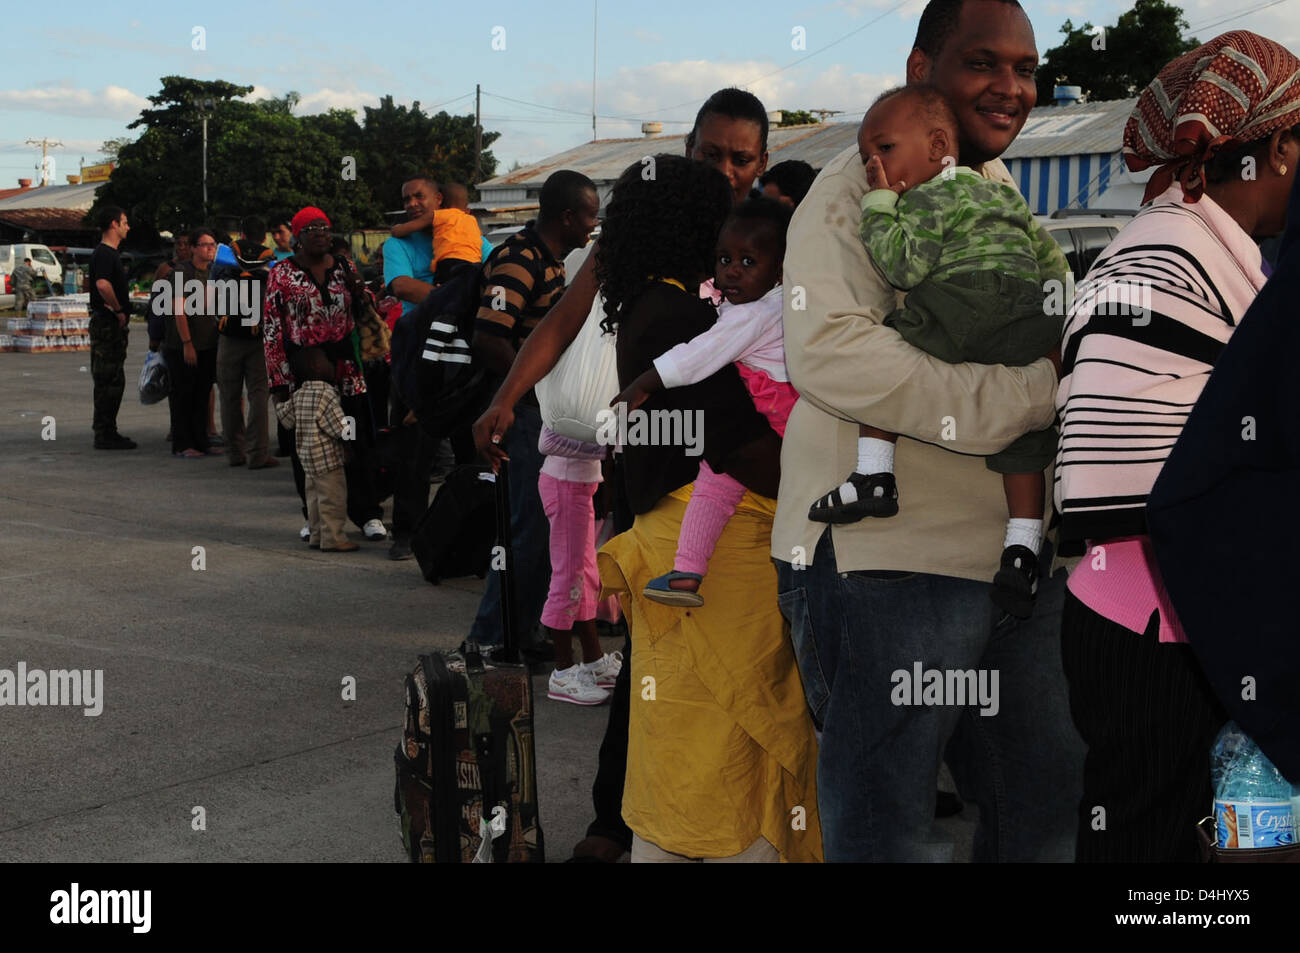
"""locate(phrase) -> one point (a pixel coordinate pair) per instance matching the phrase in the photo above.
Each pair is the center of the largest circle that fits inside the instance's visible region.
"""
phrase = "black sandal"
(831, 508)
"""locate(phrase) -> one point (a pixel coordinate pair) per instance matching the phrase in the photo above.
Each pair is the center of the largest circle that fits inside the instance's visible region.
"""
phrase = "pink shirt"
(1120, 581)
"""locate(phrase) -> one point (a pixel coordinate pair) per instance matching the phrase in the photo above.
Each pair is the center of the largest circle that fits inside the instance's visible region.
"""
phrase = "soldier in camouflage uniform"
(109, 320)
(23, 276)
(976, 266)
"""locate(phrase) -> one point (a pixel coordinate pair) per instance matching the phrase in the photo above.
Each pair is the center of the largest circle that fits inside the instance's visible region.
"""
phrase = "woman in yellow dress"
(721, 751)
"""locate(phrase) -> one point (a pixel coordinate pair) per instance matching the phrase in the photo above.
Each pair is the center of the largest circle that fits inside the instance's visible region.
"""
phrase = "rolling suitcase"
(466, 788)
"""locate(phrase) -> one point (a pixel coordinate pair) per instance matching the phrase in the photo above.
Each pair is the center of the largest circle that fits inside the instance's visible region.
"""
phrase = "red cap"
(309, 214)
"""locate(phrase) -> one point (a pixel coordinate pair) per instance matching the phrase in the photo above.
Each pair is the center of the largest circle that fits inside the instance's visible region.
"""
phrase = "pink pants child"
(717, 495)
(569, 477)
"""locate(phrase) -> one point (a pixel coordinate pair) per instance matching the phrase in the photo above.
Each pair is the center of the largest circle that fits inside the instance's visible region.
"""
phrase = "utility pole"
(45, 145)
(478, 132)
(595, 9)
(205, 107)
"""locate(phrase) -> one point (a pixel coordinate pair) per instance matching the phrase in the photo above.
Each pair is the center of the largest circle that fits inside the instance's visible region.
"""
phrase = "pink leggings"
(575, 581)
(713, 501)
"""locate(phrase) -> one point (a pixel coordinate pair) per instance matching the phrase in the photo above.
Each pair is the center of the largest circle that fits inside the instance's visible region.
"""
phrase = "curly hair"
(663, 221)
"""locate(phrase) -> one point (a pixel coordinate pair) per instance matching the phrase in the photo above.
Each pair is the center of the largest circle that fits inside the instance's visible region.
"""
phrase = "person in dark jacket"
(1224, 517)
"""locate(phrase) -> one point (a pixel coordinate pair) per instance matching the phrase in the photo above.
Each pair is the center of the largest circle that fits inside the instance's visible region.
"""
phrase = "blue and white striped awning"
(1076, 181)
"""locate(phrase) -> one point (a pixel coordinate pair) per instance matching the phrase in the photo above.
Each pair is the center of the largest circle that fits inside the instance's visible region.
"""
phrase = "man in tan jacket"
(903, 659)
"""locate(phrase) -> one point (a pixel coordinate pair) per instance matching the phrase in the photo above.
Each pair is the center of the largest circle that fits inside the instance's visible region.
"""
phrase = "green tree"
(263, 159)
(1118, 61)
(402, 142)
(797, 117)
(159, 176)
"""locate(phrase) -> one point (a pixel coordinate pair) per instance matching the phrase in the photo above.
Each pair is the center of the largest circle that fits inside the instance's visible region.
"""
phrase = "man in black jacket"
(109, 316)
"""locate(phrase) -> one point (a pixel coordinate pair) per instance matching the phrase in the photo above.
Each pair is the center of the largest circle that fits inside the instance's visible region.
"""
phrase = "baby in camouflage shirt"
(975, 264)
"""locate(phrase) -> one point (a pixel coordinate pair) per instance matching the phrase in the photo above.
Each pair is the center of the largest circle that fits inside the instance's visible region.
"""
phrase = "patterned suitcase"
(466, 788)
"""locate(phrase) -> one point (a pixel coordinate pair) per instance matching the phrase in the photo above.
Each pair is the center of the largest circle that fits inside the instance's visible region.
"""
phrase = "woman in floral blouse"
(309, 304)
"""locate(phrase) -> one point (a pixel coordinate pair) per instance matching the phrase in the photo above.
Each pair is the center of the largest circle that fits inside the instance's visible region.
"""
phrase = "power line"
(1233, 16)
(524, 102)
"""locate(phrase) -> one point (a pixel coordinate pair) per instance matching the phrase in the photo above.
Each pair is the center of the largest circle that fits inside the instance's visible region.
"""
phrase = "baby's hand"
(876, 178)
(633, 395)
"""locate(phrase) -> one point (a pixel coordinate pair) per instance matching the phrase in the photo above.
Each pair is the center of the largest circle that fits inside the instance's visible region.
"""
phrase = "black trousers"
(363, 498)
(607, 790)
(1148, 716)
(188, 400)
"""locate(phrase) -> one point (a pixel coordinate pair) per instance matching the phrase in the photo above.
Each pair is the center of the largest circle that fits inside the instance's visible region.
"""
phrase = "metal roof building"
(1071, 157)
(53, 215)
(1067, 155)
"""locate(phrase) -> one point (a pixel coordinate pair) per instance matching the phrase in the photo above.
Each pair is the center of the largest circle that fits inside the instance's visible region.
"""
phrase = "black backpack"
(253, 264)
(454, 537)
(434, 371)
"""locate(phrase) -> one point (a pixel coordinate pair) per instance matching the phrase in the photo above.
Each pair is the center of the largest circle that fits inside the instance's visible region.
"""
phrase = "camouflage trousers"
(107, 370)
(22, 295)
(985, 317)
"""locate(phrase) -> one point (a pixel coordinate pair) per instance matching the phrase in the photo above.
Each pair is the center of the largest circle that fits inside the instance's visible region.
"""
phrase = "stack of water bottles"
(1254, 805)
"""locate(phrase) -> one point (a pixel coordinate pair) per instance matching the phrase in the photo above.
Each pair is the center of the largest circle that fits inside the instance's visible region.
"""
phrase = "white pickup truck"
(43, 262)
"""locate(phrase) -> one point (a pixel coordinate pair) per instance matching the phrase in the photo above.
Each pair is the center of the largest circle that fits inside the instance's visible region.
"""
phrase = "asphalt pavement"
(222, 685)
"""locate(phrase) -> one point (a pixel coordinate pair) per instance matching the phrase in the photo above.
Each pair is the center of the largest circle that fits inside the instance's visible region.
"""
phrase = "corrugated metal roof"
(54, 196)
(604, 160)
(47, 219)
(1081, 129)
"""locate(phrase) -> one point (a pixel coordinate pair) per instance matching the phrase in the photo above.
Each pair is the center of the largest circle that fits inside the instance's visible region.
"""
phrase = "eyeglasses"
(207, 245)
(314, 229)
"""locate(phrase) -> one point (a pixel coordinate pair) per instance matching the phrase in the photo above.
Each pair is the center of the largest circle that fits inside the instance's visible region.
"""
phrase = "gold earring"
(1282, 171)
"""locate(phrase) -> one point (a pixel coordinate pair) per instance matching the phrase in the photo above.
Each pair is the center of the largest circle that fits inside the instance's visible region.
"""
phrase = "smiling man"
(878, 596)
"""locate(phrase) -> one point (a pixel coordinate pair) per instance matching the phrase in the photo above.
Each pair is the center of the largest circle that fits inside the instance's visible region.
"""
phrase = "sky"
(81, 73)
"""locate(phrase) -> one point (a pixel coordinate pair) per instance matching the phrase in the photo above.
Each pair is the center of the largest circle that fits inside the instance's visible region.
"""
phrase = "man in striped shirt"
(522, 279)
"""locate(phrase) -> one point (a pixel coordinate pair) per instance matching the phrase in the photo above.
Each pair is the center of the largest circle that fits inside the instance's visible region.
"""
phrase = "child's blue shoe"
(659, 590)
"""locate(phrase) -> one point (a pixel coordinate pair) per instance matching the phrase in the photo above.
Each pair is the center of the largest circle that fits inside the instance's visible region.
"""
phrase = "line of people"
(734, 737)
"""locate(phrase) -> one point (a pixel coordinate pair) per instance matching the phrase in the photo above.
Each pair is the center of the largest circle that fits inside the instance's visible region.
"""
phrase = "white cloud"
(643, 92)
(323, 100)
(108, 102)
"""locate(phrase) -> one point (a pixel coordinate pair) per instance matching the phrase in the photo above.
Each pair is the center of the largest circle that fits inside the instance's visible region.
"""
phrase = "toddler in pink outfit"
(751, 247)
(569, 477)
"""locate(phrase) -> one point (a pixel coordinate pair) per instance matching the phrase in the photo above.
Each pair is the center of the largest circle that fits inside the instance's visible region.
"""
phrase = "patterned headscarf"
(1237, 88)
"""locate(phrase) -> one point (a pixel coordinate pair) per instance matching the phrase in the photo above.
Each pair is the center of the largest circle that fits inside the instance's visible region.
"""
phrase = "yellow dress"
(721, 748)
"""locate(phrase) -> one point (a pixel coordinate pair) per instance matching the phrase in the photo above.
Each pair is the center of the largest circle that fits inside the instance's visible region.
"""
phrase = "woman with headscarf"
(1221, 127)
(309, 304)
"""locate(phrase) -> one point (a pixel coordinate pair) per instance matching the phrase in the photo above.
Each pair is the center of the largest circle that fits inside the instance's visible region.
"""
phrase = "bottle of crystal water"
(1252, 800)
(1224, 750)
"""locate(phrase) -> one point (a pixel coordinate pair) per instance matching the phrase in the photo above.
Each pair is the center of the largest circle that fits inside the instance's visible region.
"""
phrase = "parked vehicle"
(1083, 233)
(43, 261)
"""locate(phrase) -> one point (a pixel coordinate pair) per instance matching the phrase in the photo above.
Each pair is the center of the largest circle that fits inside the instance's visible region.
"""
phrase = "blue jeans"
(879, 761)
(530, 536)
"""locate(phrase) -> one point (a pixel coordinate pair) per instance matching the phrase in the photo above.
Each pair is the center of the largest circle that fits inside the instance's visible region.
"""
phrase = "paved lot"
(222, 687)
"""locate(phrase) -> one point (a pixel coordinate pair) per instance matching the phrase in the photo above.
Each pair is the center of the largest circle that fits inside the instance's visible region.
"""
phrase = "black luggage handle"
(510, 635)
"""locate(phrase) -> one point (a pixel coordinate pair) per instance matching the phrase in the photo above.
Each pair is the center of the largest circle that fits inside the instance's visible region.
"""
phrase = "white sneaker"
(305, 533)
(374, 529)
(576, 685)
(605, 669)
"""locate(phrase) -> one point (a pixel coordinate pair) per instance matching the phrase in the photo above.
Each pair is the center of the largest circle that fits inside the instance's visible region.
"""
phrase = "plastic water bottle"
(1224, 750)
(1252, 800)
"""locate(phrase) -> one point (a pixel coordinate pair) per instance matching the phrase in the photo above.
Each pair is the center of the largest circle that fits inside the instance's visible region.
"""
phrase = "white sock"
(875, 455)
(1024, 532)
